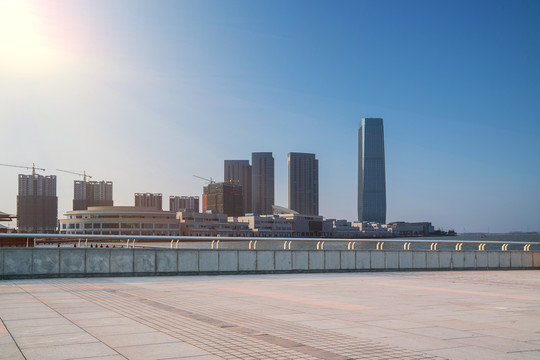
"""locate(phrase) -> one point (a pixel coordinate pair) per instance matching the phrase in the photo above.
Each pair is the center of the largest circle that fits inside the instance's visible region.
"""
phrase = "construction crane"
(209, 180)
(33, 167)
(84, 174)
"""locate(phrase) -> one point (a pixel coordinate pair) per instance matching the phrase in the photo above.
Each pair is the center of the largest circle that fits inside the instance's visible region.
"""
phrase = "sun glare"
(23, 44)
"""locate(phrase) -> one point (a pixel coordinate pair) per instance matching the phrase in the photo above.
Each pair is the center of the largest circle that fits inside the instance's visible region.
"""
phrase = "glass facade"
(371, 171)
(262, 175)
(303, 183)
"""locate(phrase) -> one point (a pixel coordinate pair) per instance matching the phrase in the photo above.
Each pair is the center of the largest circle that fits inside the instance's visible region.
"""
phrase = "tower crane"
(209, 180)
(33, 167)
(84, 174)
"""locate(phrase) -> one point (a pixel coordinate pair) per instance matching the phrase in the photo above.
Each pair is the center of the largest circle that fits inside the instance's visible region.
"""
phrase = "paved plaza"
(408, 315)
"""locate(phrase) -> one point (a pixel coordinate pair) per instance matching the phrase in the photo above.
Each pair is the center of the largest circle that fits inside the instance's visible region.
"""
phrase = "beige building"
(373, 229)
(266, 225)
(210, 223)
(120, 220)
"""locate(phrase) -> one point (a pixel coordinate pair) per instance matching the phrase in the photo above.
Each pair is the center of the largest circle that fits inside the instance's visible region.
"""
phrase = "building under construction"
(37, 203)
(92, 193)
(226, 198)
(184, 203)
(149, 200)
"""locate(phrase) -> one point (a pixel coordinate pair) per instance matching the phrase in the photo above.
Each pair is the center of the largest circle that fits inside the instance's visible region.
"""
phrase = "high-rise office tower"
(303, 183)
(37, 203)
(371, 171)
(262, 182)
(225, 198)
(92, 193)
(239, 172)
(184, 203)
(149, 200)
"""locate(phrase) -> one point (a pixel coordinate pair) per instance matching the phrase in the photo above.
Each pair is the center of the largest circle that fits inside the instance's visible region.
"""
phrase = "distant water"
(490, 237)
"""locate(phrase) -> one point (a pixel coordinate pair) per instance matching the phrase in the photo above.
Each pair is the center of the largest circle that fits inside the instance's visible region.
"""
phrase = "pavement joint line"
(353, 342)
(29, 293)
(192, 339)
(215, 322)
(12, 338)
(463, 312)
(203, 318)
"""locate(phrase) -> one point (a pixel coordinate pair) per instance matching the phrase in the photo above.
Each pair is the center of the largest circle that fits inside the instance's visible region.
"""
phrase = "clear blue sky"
(148, 93)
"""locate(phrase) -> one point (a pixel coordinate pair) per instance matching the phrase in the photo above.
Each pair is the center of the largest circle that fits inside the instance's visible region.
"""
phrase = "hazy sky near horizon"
(148, 93)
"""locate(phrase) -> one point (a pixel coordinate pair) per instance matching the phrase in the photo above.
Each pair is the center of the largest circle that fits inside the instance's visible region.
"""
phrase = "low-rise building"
(120, 220)
(373, 229)
(402, 228)
(266, 225)
(344, 229)
(308, 225)
(210, 223)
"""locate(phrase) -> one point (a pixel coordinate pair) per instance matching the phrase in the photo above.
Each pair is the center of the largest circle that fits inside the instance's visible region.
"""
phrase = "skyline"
(146, 96)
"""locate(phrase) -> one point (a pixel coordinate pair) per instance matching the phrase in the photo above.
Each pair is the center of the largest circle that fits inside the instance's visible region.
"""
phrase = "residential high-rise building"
(262, 182)
(149, 200)
(371, 171)
(303, 183)
(92, 193)
(37, 203)
(184, 203)
(239, 172)
(225, 198)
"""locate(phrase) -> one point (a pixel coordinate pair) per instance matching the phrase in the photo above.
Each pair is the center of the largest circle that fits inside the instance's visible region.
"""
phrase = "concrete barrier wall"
(71, 262)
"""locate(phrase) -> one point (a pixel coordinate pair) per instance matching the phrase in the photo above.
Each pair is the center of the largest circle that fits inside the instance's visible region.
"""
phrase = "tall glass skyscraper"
(303, 183)
(262, 182)
(371, 171)
(239, 172)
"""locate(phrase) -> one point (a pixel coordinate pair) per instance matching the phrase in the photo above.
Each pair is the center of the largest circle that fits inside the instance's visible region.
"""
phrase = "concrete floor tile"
(499, 344)
(420, 342)
(84, 323)
(149, 338)
(102, 357)
(43, 330)
(472, 352)
(72, 351)
(376, 315)
(201, 357)
(99, 331)
(79, 337)
(160, 351)
(395, 324)
(92, 315)
(10, 351)
(26, 323)
(443, 333)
